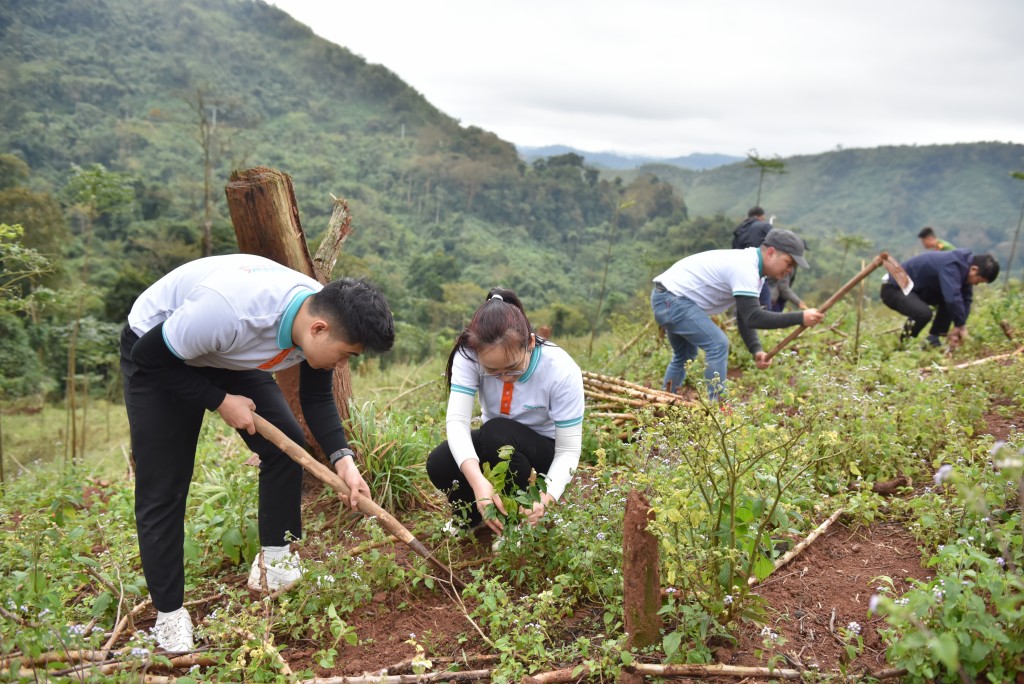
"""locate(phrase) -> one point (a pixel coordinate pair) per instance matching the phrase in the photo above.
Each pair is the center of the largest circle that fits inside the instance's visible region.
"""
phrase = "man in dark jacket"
(946, 281)
(752, 231)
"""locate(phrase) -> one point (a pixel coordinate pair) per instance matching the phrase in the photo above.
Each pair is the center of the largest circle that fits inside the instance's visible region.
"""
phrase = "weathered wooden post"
(265, 216)
(641, 574)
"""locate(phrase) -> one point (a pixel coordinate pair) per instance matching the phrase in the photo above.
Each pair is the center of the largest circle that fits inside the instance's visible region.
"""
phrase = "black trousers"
(164, 433)
(914, 308)
(532, 451)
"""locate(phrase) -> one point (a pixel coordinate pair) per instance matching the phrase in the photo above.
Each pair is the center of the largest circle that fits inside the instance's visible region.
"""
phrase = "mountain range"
(614, 161)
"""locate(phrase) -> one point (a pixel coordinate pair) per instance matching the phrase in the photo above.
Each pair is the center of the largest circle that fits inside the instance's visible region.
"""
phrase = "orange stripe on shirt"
(267, 365)
(506, 399)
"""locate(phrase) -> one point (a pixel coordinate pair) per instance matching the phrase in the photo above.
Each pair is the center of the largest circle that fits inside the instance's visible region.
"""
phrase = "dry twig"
(796, 550)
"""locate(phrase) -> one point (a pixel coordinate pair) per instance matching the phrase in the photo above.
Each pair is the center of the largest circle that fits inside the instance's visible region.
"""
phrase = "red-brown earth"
(808, 601)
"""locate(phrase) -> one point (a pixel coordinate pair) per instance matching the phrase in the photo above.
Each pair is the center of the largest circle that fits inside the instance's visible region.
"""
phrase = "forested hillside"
(123, 119)
(162, 92)
(885, 194)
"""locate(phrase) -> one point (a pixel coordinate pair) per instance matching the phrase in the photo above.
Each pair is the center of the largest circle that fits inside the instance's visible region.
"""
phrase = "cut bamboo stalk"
(615, 416)
(612, 398)
(647, 394)
(796, 550)
(623, 382)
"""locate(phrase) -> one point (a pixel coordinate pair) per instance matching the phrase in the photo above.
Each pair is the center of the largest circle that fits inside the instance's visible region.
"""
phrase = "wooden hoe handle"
(865, 272)
(272, 434)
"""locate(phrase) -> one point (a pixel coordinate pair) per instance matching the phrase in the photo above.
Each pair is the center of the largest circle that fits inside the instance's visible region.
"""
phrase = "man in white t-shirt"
(208, 336)
(687, 294)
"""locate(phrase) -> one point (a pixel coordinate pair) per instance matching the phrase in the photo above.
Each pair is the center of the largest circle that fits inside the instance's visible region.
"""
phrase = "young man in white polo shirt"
(687, 294)
(208, 336)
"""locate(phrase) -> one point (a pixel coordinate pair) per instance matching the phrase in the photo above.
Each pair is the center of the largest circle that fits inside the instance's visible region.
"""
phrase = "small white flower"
(873, 603)
(727, 599)
(1001, 561)
(854, 627)
(943, 474)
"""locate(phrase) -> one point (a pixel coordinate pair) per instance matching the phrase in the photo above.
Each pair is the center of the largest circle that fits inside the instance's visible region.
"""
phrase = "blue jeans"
(689, 329)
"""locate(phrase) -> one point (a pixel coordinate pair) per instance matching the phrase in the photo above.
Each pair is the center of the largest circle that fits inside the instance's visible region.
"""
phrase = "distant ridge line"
(611, 160)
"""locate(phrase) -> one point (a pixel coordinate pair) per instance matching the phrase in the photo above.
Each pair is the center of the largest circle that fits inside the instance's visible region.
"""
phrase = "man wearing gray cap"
(687, 294)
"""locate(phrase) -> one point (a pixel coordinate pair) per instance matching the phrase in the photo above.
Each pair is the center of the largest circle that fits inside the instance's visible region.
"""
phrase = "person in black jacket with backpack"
(752, 231)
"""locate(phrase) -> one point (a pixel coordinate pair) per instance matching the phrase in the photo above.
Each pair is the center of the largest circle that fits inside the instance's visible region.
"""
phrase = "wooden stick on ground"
(976, 362)
(711, 670)
(467, 676)
(796, 550)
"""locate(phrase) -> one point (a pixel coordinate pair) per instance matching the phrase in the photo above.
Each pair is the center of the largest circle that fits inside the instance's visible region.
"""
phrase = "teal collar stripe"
(534, 362)
(284, 331)
(760, 263)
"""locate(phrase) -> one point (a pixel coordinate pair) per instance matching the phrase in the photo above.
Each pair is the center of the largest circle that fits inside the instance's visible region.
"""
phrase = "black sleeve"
(750, 317)
(152, 356)
(316, 396)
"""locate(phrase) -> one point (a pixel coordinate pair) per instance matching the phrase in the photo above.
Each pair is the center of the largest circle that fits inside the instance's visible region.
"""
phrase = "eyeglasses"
(513, 371)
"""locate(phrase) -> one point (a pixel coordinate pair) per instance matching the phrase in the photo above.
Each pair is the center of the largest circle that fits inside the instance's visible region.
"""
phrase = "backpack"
(750, 233)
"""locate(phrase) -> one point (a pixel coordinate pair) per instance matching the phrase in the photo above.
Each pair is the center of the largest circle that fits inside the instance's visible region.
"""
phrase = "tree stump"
(641, 574)
(265, 216)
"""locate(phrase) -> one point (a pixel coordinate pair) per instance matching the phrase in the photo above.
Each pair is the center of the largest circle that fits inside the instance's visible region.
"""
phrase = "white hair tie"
(497, 296)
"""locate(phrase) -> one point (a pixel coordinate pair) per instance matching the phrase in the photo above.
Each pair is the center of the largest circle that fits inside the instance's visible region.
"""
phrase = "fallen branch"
(626, 347)
(712, 670)
(796, 550)
(407, 664)
(467, 676)
(976, 362)
(182, 661)
(569, 674)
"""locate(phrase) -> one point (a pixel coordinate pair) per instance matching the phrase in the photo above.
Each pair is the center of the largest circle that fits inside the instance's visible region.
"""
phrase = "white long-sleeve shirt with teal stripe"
(547, 398)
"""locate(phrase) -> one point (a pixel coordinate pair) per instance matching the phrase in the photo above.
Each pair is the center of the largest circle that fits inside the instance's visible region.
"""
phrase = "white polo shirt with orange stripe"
(713, 279)
(548, 398)
(233, 311)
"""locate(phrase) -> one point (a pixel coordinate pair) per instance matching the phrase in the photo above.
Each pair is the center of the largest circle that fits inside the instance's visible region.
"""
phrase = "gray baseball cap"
(787, 241)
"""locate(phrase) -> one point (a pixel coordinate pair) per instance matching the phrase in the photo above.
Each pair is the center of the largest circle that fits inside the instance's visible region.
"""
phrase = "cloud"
(670, 77)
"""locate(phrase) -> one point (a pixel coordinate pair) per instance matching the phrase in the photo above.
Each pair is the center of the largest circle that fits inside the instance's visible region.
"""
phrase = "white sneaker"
(281, 573)
(173, 631)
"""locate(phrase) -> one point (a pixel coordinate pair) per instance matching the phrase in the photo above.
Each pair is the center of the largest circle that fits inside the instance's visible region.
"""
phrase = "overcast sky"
(672, 77)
